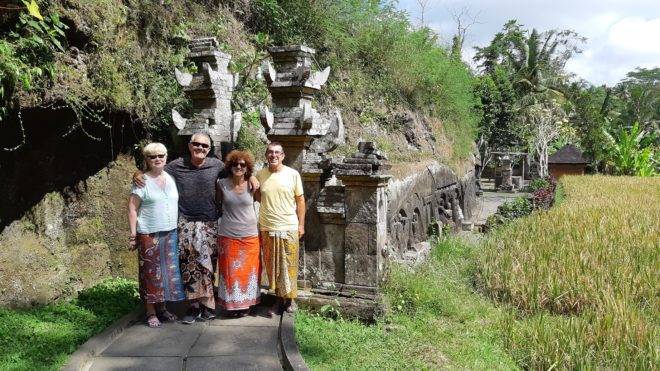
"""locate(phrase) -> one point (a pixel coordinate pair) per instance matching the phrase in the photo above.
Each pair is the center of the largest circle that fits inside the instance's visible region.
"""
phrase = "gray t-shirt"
(238, 217)
(196, 186)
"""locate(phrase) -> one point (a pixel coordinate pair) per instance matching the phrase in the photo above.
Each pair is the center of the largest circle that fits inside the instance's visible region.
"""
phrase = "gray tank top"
(238, 217)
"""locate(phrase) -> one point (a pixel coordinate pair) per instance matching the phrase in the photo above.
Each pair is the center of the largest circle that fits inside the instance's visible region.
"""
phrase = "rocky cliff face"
(69, 241)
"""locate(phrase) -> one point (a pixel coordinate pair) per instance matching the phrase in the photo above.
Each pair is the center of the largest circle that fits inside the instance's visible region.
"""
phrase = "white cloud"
(622, 35)
(636, 35)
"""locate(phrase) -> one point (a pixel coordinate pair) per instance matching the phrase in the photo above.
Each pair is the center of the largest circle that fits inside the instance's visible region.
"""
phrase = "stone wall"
(70, 240)
(433, 195)
(355, 229)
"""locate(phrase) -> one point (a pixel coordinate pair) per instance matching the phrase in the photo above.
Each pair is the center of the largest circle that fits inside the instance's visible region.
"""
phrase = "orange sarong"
(239, 272)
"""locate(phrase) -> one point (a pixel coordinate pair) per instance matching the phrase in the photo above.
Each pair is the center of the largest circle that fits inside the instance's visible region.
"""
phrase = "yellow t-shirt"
(278, 204)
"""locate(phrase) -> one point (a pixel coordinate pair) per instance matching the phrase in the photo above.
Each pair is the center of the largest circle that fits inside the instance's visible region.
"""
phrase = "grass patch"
(43, 337)
(583, 277)
(433, 321)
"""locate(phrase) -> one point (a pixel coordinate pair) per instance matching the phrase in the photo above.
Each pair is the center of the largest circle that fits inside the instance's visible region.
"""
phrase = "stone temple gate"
(358, 216)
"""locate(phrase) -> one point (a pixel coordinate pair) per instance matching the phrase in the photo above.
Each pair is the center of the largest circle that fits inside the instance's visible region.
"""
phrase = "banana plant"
(632, 152)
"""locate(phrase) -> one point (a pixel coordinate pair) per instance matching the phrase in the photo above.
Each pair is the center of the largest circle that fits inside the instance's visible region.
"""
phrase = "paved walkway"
(248, 343)
(488, 203)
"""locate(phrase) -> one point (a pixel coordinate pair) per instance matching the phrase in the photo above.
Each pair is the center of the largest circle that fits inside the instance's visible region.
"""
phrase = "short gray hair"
(204, 134)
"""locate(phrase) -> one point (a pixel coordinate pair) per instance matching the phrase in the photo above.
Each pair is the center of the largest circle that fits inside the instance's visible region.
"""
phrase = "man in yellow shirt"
(281, 225)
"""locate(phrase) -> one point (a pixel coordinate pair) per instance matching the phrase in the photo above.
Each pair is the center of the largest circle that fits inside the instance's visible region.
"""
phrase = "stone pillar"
(366, 215)
(315, 170)
(210, 89)
(507, 172)
(292, 85)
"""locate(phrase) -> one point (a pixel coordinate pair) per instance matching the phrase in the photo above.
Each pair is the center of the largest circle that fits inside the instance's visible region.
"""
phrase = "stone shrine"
(210, 89)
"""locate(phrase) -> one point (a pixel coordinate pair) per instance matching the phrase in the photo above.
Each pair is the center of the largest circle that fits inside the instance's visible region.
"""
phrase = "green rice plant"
(583, 277)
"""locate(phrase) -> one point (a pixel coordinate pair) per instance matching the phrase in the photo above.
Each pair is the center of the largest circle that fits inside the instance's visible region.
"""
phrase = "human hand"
(132, 243)
(139, 179)
(254, 183)
(301, 232)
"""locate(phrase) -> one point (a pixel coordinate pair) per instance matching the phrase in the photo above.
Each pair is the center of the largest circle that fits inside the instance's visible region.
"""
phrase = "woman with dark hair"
(239, 263)
(152, 217)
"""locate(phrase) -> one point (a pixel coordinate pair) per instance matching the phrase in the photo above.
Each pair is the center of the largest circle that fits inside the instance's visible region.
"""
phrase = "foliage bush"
(42, 338)
(543, 196)
(509, 211)
(397, 65)
(538, 183)
(27, 53)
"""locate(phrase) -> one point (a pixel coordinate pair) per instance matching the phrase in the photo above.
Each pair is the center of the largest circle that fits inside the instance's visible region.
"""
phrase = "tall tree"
(534, 60)
(588, 115)
(534, 64)
(640, 97)
(497, 129)
(544, 123)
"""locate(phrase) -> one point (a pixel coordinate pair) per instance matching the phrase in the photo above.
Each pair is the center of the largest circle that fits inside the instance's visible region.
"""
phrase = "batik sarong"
(239, 272)
(280, 254)
(197, 257)
(158, 261)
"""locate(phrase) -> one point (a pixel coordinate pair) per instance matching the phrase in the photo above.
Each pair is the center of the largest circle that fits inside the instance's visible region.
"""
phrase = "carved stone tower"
(210, 89)
(292, 85)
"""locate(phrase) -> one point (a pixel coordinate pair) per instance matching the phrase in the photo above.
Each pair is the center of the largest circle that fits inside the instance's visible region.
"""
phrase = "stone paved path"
(488, 203)
(248, 343)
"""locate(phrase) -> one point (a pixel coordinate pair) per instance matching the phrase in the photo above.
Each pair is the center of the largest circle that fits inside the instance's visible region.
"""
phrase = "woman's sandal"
(165, 316)
(152, 320)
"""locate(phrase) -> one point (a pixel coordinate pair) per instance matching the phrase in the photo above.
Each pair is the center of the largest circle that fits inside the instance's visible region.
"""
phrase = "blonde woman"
(152, 217)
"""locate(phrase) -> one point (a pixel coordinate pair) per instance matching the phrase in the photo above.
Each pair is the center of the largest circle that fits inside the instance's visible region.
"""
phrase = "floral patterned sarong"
(159, 275)
(239, 272)
(280, 253)
(197, 257)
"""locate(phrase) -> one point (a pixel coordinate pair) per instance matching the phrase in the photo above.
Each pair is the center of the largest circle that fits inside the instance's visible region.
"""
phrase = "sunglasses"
(198, 144)
(153, 157)
(239, 164)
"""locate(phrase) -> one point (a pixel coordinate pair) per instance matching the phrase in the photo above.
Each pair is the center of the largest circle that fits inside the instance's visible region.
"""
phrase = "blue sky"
(621, 35)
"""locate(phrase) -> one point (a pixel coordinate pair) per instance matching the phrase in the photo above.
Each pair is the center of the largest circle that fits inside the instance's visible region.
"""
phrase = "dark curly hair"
(236, 156)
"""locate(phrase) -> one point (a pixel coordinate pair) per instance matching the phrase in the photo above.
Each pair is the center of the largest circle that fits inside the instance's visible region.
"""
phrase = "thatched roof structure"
(567, 155)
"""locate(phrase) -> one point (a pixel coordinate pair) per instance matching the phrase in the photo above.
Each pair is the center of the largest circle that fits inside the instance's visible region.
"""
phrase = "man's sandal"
(152, 320)
(165, 316)
(292, 308)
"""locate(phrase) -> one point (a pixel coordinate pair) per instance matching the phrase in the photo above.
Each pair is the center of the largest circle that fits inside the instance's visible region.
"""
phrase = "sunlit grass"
(433, 321)
(43, 337)
(583, 276)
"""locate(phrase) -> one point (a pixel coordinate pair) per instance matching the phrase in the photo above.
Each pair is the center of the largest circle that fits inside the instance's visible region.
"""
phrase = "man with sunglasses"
(195, 179)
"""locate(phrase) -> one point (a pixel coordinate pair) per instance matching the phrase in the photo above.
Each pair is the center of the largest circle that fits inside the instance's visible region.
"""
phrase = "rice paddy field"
(582, 278)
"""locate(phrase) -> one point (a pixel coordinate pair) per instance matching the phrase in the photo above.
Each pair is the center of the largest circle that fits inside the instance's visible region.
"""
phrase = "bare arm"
(139, 180)
(134, 203)
(300, 211)
(218, 195)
